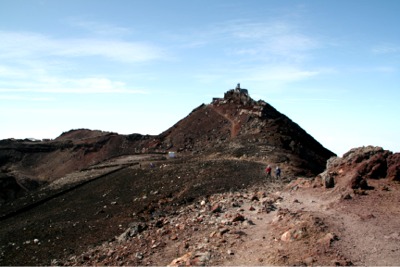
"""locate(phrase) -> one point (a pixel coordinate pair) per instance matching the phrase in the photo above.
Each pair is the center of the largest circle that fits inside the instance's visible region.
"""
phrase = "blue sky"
(131, 66)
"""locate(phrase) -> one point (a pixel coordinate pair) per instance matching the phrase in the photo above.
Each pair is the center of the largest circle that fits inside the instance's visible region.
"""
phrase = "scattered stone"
(329, 181)
(192, 259)
(181, 261)
(360, 192)
(230, 252)
(327, 240)
(235, 204)
(309, 261)
(248, 222)
(200, 259)
(134, 229)
(216, 208)
(238, 218)
(347, 196)
(293, 234)
(255, 198)
(139, 255)
(385, 188)
(358, 182)
(341, 262)
(286, 236)
(160, 223)
(223, 231)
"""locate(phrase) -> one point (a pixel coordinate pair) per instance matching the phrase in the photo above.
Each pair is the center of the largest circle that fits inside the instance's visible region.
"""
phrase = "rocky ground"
(296, 224)
(215, 212)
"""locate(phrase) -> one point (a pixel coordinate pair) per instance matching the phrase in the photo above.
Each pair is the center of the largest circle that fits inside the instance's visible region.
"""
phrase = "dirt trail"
(364, 233)
(235, 126)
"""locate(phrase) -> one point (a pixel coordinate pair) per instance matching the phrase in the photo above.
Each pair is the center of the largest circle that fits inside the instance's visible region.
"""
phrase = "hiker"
(268, 171)
(278, 172)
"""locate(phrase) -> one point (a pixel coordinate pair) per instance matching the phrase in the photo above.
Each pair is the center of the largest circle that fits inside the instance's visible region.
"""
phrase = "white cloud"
(11, 72)
(99, 28)
(253, 31)
(32, 62)
(272, 52)
(15, 97)
(25, 45)
(270, 39)
(115, 50)
(279, 75)
(74, 86)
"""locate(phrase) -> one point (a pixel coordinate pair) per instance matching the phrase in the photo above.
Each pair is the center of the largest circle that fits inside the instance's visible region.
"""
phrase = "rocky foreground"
(210, 212)
(321, 221)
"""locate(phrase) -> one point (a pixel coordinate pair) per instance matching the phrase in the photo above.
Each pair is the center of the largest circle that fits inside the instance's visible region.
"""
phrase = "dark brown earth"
(97, 198)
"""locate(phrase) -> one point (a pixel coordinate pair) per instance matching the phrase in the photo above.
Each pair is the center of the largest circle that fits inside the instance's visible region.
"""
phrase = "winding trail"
(235, 126)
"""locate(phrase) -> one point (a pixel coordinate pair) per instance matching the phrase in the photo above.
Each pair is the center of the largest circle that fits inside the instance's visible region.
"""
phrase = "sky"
(131, 66)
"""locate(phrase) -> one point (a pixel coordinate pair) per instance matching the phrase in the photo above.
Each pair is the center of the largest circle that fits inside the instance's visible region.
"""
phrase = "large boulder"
(358, 165)
(375, 166)
(393, 163)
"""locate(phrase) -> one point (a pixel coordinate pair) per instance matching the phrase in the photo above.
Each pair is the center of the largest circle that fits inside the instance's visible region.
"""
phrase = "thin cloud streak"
(386, 48)
(22, 45)
(275, 38)
(98, 28)
(71, 90)
(14, 97)
(281, 74)
(74, 86)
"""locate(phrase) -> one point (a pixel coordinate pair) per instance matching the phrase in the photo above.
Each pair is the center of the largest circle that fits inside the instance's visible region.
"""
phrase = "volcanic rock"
(393, 171)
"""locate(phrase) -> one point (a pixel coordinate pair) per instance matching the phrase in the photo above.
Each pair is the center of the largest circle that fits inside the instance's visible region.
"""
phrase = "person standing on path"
(268, 171)
(277, 172)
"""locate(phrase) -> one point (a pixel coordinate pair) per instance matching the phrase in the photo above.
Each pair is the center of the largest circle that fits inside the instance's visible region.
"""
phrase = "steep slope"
(238, 126)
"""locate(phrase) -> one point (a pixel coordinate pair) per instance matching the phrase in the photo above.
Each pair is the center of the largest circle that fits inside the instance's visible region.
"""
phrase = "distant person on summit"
(278, 172)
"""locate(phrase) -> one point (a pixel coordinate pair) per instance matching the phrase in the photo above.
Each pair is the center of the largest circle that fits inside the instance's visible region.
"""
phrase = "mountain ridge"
(235, 125)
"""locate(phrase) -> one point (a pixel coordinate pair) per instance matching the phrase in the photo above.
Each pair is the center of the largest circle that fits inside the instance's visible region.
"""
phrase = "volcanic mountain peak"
(239, 126)
(234, 126)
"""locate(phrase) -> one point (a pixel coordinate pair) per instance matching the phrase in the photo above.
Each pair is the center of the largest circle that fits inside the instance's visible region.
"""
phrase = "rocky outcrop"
(358, 165)
(393, 170)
